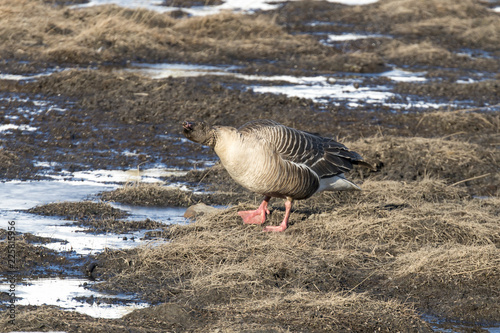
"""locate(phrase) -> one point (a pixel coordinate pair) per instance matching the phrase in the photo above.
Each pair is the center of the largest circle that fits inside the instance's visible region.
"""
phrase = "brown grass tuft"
(484, 31)
(467, 275)
(158, 195)
(415, 158)
(7, 160)
(111, 33)
(423, 52)
(354, 246)
(408, 10)
(79, 210)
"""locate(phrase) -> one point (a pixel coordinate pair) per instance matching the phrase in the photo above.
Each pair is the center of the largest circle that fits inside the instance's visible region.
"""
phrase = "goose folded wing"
(325, 157)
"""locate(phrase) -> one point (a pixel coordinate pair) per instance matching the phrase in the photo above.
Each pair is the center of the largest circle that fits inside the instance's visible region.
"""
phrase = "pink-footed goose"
(277, 161)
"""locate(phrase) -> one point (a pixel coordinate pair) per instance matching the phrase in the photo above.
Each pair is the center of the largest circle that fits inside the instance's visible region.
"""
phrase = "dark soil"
(33, 260)
(79, 210)
(191, 3)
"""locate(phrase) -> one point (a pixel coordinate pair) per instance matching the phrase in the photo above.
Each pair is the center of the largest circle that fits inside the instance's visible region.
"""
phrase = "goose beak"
(187, 126)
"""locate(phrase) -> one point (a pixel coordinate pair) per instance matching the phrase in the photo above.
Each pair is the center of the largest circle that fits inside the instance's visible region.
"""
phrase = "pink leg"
(257, 216)
(284, 224)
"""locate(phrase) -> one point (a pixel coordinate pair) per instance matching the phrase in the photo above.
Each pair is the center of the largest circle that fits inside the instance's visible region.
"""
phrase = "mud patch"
(156, 195)
(84, 210)
(33, 260)
(191, 3)
(96, 217)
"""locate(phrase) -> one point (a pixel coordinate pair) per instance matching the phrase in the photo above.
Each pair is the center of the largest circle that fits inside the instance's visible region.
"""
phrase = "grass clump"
(417, 158)
(82, 210)
(465, 279)
(157, 195)
(356, 248)
(113, 34)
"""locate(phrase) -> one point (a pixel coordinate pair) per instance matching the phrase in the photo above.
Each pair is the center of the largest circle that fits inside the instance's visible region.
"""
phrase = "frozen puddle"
(160, 71)
(323, 93)
(152, 175)
(233, 5)
(245, 6)
(322, 89)
(10, 127)
(16, 197)
(19, 77)
(349, 37)
(71, 294)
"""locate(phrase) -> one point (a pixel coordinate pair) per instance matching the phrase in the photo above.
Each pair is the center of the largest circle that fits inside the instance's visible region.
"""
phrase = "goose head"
(199, 132)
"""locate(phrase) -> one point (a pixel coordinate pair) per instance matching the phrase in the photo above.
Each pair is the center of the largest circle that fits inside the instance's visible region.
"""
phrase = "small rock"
(198, 210)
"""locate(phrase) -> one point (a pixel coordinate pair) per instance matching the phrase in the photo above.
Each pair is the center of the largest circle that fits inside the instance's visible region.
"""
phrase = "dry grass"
(356, 247)
(424, 52)
(110, 33)
(467, 277)
(79, 36)
(471, 263)
(408, 10)
(328, 312)
(79, 210)
(484, 31)
(148, 195)
(415, 158)
(157, 195)
(7, 160)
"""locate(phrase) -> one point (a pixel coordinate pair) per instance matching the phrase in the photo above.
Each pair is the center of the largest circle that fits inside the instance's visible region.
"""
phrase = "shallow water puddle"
(17, 196)
(160, 71)
(173, 215)
(344, 87)
(439, 325)
(72, 294)
(332, 38)
(152, 175)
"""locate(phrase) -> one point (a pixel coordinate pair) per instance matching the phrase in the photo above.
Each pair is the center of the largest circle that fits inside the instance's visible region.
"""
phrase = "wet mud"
(421, 239)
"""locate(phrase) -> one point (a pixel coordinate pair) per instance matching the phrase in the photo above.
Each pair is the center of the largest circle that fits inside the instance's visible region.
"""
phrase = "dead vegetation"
(157, 195)
(414, 238)
(425, 32)
(422, 238)
(113, 34)
(8, 160)
(372, 247)
(31, 260)
(452, 161)
(79, 210)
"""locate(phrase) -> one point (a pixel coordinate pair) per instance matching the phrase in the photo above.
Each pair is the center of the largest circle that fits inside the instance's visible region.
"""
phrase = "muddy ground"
(421, 240)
